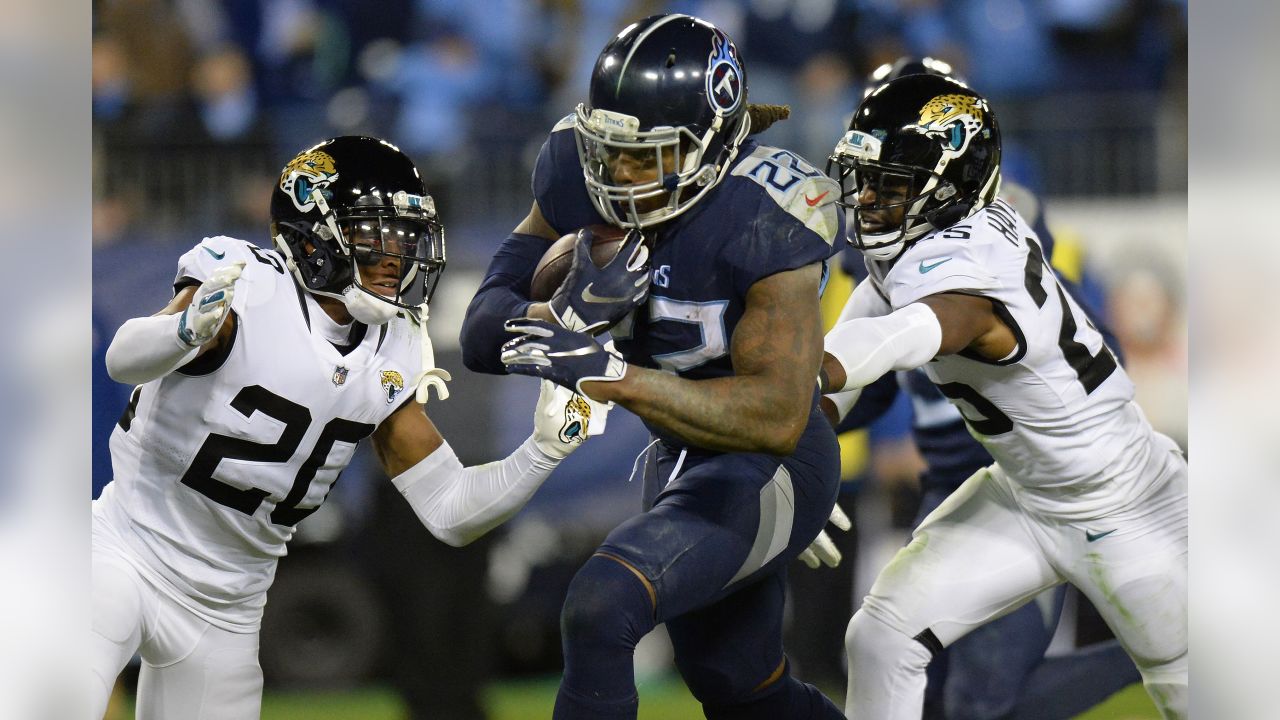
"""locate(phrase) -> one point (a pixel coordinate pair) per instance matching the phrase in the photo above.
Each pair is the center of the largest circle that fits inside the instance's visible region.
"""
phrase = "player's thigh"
(118, 601)
(197, 670)
(721, 525)
(1133, 567)
(970, 561)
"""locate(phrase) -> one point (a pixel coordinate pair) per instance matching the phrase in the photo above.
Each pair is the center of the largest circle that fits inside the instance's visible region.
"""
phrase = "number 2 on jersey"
(1091, 368)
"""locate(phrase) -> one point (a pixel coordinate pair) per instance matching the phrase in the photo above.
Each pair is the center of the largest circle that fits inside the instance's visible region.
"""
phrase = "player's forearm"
(734, 414)
(503, 295)
(460, 504)
(861, 350)
(147, 348)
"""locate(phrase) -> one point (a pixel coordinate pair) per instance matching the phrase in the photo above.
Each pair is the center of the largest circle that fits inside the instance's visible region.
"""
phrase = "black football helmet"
(925, 146)
(353, 207)
(667, 82)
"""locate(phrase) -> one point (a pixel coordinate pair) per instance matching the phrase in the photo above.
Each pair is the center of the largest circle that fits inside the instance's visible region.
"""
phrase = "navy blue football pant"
(709, 559)
(999, 672)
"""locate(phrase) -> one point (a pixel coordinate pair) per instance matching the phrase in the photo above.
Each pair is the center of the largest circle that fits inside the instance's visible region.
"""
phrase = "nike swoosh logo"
(926, 268)
(1090, 537)
(815, 201)
(216, 255)
(594, 298)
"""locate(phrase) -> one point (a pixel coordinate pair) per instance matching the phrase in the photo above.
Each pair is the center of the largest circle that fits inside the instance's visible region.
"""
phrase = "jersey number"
(1091, 368)
(794, 171)
(708, 316)
(296, 419)
(990, 421)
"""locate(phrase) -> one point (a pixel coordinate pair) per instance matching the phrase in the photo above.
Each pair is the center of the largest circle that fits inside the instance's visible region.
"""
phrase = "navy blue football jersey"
(772, 212)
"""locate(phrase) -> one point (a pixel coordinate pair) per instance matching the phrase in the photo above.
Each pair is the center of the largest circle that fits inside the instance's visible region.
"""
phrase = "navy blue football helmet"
(924, 146)
(670, 92)
(350, 203)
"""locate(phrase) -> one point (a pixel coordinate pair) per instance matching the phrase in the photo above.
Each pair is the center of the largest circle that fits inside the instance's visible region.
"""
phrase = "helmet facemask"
(687, 165)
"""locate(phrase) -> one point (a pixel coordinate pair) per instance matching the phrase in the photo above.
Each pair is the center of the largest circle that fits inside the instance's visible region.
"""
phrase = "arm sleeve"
(147, 348)
(503, 295)
(459, 504)
(868, 347)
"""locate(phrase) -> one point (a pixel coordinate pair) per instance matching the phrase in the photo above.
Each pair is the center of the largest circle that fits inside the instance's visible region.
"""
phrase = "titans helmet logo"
(725, 88)
(577, 418)
(304, 174)
(951, 119)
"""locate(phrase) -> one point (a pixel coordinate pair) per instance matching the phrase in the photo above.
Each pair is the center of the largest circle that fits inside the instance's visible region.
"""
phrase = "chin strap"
(431, 376)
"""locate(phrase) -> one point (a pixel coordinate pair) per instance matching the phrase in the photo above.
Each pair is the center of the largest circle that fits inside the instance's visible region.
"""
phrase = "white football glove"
(202, 319)
(822, 551)
(563, 419)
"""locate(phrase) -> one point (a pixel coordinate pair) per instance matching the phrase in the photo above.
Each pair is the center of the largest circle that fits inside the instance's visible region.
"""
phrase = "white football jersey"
(1058, 413)
(214, 466)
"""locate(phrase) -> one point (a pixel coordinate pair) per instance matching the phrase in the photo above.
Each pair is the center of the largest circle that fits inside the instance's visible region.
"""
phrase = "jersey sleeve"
(939, 264)
(198, 263)
(558, 187)
(795, 221)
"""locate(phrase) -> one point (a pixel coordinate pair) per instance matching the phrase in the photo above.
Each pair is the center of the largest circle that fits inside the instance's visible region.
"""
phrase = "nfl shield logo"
(339, 376)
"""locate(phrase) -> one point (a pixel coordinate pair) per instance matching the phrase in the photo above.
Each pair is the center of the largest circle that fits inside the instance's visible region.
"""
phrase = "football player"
(999, 670)
(713, 303)
(254, 385)
(1082, 490)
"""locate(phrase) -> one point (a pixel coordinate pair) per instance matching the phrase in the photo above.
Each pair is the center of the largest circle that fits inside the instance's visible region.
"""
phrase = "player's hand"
(209, 306)
(822, 551)
(564, 357)
(563, 419)
(591, 298)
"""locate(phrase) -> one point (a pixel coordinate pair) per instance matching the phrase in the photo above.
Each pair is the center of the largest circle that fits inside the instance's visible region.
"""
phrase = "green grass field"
(532, 700)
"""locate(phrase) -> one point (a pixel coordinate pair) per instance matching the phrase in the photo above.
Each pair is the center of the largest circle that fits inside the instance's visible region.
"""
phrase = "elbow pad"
(868, 347)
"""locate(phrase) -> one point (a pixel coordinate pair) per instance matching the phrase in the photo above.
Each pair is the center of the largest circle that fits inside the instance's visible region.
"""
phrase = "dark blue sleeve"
(558, 187)
(874, 401)
(774, 241)
(503, 295)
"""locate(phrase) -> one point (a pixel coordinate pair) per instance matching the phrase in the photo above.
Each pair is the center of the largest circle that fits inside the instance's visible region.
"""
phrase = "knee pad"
(871, 638)
(607, 603)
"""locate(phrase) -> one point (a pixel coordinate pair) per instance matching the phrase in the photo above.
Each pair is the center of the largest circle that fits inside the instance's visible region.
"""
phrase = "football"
(556, 261)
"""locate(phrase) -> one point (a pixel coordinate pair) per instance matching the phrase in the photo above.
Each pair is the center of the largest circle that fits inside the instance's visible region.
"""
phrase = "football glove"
(564, 357)
(591, 298)
(822, 551)
(563, 419)
(203, 318)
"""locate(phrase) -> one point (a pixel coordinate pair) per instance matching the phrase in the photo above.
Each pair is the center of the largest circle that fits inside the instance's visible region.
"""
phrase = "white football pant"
(191, 670)
(980, 555)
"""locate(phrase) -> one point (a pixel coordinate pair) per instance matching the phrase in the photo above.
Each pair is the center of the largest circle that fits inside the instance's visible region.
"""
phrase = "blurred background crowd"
(197, 105)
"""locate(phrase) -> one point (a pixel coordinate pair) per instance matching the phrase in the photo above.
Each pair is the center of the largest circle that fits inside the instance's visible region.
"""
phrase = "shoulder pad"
(795, 187)
(565, 123)
(263, 269)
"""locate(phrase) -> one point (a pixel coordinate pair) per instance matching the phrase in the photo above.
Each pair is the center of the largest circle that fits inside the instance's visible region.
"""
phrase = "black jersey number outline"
(296, 418)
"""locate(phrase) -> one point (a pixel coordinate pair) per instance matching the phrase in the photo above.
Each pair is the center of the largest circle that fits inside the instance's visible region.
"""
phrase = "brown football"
(556, 261)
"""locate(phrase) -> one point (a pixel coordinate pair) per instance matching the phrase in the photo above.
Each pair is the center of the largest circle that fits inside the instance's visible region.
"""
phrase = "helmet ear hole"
(948, 216)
